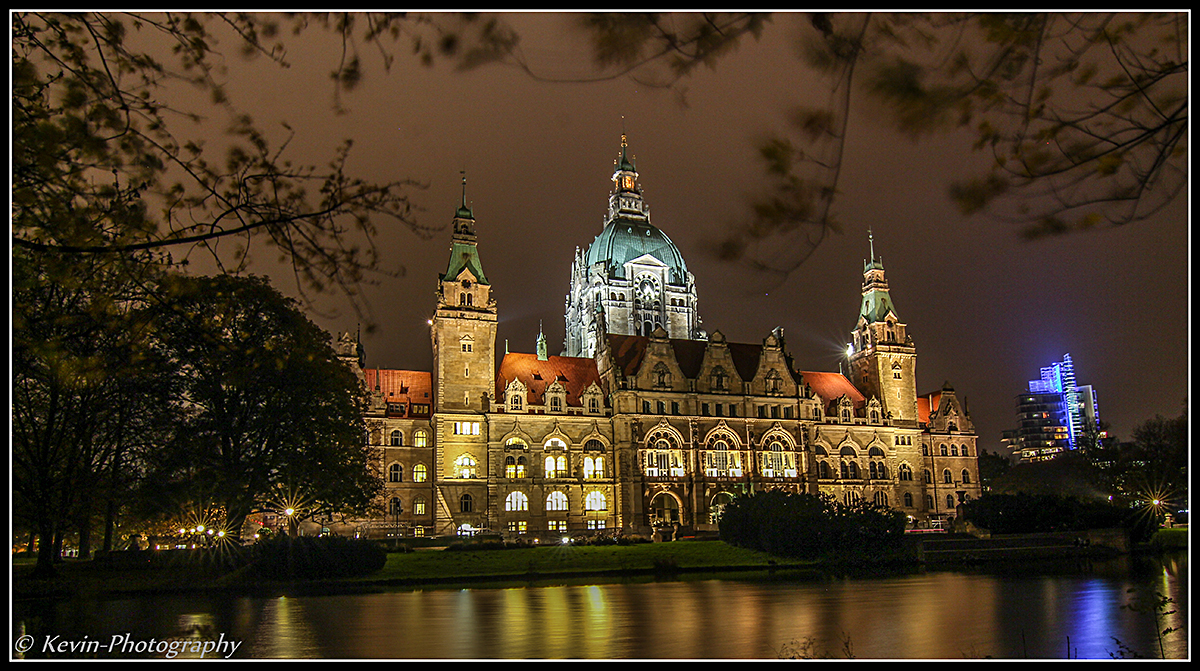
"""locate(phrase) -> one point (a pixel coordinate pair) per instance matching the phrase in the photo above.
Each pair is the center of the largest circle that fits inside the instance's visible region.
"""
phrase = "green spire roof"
(463, 250)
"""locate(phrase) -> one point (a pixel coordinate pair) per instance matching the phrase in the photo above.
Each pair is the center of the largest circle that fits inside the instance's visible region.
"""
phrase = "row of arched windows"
(396, 438)
(849, 470)
(396, 473)
(951, 450)
(595, 501)
(396, 506)
(589, 445)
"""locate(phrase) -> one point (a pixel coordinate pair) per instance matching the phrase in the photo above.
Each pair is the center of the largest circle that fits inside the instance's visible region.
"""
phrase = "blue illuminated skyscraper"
(1055, 413)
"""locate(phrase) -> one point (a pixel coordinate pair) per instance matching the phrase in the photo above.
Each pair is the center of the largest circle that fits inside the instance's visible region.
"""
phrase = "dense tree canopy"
(265, 409)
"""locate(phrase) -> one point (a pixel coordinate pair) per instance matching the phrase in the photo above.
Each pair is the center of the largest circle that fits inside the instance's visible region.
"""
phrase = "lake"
(1045, 612)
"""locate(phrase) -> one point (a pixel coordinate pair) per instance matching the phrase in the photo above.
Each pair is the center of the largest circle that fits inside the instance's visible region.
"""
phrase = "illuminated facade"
(647, 422)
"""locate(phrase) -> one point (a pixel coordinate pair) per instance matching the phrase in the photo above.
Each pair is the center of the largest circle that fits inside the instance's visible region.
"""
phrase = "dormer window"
(719, 379)
(774, 383)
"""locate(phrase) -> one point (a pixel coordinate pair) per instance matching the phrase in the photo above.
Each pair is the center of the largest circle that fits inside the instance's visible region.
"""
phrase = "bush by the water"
(1038, 513)
(810, 526)
(306, 558)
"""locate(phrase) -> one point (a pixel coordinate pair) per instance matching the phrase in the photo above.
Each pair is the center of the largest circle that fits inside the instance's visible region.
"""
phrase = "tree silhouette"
(1085, 115)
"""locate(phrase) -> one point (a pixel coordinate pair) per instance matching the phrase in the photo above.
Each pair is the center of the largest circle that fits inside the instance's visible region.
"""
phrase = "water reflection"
(946, 615)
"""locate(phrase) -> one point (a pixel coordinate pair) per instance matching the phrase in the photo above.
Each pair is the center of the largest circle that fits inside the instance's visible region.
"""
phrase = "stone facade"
(647, 422)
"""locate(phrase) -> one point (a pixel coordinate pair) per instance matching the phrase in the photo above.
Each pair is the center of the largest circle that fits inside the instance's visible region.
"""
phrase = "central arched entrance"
(664, 509)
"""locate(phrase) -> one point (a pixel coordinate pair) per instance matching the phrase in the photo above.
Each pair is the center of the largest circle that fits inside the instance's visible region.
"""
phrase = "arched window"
(853, 470)
(397, 438)
(953, 450)
(395, 507)
(395, 473)
(965, 452)
(947, 478)
(777, 461)
(928, 477)
(556, 501)
(510, 467)
(880, 498)
(465, 466)
(949, 501)
(966, 476)
(516, 502)
(419, 473)
(908, 500)
(556, 467)
(925, 450)
(420, 439)
(466, 504)
(823, 471)
(906, 472)
(883, 474)
(593, 445)
(944, 454)
(874, 473)
(595, 501)
(845, 471)
(593, 467)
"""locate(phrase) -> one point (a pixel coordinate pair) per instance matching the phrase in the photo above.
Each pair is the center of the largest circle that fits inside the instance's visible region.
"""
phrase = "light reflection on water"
(945, 615)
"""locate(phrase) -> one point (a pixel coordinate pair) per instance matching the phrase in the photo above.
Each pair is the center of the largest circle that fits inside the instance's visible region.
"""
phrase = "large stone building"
(646, 421)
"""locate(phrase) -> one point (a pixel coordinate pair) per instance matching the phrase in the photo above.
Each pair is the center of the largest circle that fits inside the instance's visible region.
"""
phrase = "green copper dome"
(623, 240)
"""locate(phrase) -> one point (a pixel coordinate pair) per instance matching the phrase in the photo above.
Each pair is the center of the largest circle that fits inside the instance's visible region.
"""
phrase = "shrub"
(307, 558)
(1037, 513)
(809, 526)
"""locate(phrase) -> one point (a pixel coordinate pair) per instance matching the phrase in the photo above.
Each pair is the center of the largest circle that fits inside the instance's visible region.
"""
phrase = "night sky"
(986, 310)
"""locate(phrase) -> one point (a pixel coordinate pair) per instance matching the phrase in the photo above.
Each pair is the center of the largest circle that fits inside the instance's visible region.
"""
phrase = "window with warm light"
(465, 466)
(595, 502)
(420, 473)
(516, 502)
(556, 501)
(556, 467)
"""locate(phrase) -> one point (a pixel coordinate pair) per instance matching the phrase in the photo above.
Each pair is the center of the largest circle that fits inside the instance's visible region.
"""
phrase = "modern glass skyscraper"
(1055, 413)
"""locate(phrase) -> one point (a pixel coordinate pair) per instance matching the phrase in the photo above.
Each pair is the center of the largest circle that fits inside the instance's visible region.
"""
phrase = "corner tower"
(463, 328)
(883, 359)
(632, 279)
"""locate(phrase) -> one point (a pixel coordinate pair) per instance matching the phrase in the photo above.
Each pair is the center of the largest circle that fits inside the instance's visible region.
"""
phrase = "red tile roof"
(575, 374)
(830, 386)
(927, 405)
(400, 386)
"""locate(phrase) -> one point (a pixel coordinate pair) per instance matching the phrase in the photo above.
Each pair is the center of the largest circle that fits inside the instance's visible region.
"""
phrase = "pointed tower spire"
(541, 344)
(464, 212)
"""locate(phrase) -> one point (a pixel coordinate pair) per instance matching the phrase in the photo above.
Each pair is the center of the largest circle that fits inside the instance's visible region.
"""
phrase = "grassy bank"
(420, 568)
